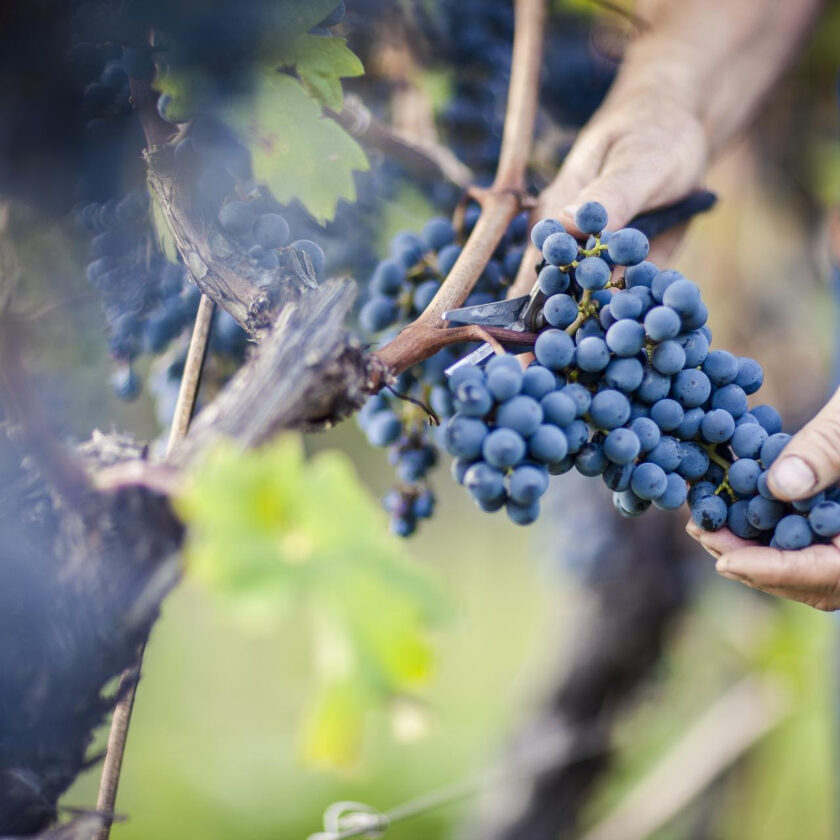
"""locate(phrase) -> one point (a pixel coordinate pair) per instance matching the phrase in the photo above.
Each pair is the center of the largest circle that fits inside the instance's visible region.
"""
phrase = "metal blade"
(476, 357)
(501, 313)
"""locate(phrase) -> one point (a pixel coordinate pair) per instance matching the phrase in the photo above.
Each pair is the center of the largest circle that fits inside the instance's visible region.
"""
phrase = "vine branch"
(425, 158)
(499, 204)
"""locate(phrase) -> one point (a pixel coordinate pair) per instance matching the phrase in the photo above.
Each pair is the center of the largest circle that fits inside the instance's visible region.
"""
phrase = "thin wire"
(347, 820)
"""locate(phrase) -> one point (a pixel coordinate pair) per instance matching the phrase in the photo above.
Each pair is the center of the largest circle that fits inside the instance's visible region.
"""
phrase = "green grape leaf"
(298, 152)
(321, 63)
(270, 529)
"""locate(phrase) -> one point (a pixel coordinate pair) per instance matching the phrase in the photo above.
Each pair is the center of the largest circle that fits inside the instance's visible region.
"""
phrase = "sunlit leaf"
(298, 152)
(268, 529)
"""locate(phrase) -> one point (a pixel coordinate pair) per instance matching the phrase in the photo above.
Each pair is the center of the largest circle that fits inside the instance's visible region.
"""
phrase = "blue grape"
(527, 484)
(591, 459)
(731, 398)
(668, 357)
(682, 296)
(667, 414)
(667, 453)
(747, 440)
(559, 408)
(627, 503)
(743, 476)
(691, 388)
(466, 435)
(647, 432)
(538, 382)
(609, 409)
(689, 428)
(696, 347)
(592, 354)
(579, 395)
(473, 399)
(628, 247)
(709, 512)
(271, 230)
(641, 274)
(824, 519)
(622, 446)
(560, 249)
(661, 280)
(543, 229)
(772, 447)
(617, 476)
(592, 273)
(237, 218)
(315, 253)
(560, 310)
(675, 494)
(717, 426)
(552, 281)
(591, 218)
(548, 444)
(625, 305)
(522, 514)
(763, 513)
(768, 418)
(484, 482)
(624, 374)
(738, 522)
(721, 367)
(504, 377)
(503, 448)
(554, 349)
(387, 278)
(649, 481)
(655, 386)
(383, 428)
(793, 532)
(522, 414)
(662, 323)
(378, 314)
(437, 233)
(750, 375)
(625, 337)
(694, 461)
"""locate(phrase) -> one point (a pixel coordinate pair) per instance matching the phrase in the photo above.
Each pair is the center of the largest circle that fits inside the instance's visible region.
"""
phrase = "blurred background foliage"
(217, 744)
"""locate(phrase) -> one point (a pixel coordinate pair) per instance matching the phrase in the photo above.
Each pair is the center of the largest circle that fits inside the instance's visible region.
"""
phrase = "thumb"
(811, 461)
(622, 193)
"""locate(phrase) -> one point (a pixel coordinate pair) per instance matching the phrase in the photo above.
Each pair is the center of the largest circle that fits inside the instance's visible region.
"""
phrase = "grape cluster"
(625, 386)
(400, 288)
(403, 285)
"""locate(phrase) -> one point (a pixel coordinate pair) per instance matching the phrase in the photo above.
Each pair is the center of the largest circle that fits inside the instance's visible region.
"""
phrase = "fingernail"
(570, 210)
(692, 529)
(793, 477)
(713, 551)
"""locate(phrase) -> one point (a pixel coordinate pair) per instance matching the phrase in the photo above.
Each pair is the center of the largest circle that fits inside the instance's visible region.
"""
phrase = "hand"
(808, 464)
(642, 149)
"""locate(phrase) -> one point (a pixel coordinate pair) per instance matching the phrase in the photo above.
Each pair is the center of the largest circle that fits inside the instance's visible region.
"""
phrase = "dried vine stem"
(424, 157)
(127, 690)
(499, 204)
(191, 379)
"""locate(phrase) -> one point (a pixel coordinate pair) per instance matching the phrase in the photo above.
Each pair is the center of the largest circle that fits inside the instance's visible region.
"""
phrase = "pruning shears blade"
(475, 357)
(500, 313)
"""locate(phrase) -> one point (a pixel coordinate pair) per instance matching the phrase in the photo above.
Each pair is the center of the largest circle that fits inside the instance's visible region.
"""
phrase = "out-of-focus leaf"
(332, 730)
(269, 528)
(298, 152)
